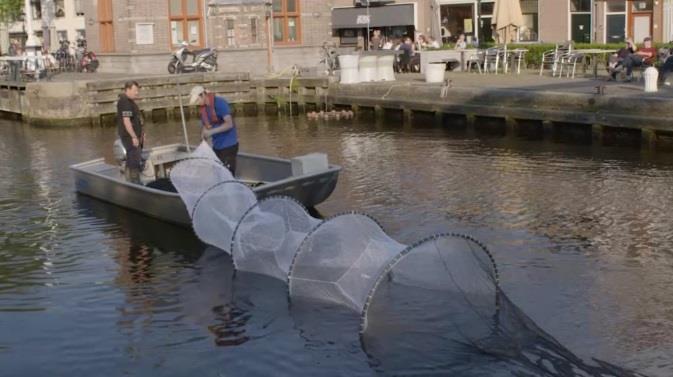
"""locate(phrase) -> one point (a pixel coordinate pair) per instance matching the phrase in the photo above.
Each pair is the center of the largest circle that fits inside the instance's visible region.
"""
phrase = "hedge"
(535, 50)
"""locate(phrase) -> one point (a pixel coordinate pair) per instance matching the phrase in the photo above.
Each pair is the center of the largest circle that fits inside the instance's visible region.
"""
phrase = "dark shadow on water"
(143, 229)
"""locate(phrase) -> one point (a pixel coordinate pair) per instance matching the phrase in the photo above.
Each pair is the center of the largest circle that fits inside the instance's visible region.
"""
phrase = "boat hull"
(100, 180)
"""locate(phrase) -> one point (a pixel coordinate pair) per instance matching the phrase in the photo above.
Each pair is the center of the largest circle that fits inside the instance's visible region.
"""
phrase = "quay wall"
(647, 115)
(634, 112)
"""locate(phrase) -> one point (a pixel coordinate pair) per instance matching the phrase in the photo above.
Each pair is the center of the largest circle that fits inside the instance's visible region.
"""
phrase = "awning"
(387, 15)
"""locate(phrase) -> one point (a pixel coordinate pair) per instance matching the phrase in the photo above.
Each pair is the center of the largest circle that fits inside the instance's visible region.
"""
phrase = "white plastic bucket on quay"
(349, 69)
(368, 68)
(384, 68)
(434, 72)
(651, 75)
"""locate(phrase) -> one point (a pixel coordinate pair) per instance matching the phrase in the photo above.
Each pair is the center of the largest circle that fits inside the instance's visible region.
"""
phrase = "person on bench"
(644, 56)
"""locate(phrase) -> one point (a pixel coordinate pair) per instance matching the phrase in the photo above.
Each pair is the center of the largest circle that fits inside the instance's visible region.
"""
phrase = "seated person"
(615, 60)
(433, 43)
(666, 69)
(461, 44)
(644, 56)
(407, 48)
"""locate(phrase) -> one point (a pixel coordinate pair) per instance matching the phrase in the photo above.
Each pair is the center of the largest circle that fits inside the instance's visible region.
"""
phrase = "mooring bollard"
(651, 75)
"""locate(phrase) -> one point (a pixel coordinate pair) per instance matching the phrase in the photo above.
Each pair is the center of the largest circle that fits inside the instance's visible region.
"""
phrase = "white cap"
(195, 93)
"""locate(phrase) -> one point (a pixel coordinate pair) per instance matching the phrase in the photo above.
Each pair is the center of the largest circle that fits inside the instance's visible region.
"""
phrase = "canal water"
(582, 236)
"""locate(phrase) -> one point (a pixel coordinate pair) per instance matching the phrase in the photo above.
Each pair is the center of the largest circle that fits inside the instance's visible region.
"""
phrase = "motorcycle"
(202, 60)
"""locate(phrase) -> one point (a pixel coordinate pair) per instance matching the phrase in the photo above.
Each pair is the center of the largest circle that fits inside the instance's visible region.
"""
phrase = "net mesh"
(267, 237)
(434, 307)
(341, 259)
(193, 176)
(437, 307)
(218, 211)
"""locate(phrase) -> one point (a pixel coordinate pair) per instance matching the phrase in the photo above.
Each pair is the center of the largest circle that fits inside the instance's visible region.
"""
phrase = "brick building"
(68, 24)
(606, 20)
(137, 35)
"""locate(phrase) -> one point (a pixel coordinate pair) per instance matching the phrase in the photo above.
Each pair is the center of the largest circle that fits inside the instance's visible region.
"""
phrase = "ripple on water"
(582, 235)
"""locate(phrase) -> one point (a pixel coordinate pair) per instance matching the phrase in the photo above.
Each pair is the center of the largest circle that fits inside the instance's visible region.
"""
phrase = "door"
(615, 29)
(642, 27)
(105, 26)
(581, 28)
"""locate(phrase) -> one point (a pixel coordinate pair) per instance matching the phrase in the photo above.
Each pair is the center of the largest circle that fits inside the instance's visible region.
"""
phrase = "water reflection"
(582, 234)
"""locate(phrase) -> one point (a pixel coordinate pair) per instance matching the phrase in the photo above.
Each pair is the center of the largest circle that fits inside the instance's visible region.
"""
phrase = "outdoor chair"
(552, 58)
(476, 59)
(491, 60)
(569, 62)
(516, 58)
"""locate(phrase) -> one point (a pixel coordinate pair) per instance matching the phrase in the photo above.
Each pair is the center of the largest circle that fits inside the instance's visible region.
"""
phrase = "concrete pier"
(523, 105)
(86, 101)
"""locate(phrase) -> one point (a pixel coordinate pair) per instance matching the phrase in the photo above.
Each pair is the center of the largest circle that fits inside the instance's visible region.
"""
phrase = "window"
(485, 20)
(79, 11)
(62, 35)
(615, 21)
(186, 22)
(231, 33)
(642, 6)
(529, 31)
(580, 6)
(59, 6)
(286, 22)
(106, 26)
(36, 9)
(616, 6)
(253, 30)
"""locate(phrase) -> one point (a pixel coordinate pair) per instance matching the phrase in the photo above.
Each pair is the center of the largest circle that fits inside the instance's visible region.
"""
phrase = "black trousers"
(134, 162)
(228, 157)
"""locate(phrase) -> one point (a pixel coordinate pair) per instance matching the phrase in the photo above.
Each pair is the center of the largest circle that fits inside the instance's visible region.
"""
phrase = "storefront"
(474, 19)
(394, 21)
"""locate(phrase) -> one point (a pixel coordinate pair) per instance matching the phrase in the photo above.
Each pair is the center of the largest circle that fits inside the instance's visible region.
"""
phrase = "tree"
(10, 10)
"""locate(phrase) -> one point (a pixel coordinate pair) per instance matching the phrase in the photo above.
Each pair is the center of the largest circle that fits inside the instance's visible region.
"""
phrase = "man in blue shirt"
(217, 123)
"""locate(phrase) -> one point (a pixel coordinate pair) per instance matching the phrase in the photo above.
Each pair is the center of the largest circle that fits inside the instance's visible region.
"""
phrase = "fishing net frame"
(385, 273)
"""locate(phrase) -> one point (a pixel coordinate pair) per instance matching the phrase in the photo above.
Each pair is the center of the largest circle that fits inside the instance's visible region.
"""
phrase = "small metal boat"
(266, 175)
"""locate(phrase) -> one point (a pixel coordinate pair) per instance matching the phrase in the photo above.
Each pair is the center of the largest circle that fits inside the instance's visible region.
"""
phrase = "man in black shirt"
(130, 130)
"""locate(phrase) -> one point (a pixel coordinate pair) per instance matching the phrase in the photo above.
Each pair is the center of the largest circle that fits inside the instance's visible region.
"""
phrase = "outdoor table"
(594, 55)
(462, 56)
(518, 54)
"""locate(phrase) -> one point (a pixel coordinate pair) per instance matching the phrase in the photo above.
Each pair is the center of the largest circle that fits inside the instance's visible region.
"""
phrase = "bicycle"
(329, 57)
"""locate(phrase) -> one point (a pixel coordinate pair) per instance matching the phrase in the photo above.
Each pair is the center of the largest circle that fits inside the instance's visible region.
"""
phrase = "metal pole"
(368, 23)
(182, 115)
(269, 35)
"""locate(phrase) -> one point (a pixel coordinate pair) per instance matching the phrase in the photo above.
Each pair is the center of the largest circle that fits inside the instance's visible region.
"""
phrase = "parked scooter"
(202, 60)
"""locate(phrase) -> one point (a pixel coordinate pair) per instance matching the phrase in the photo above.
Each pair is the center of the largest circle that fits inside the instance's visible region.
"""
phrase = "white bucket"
(651, 75)
(368, 68)
(348, 65)
(384, 68)
(434, 72)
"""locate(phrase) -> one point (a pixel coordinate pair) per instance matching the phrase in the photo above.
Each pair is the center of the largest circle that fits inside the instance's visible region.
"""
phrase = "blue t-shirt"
(223, 139)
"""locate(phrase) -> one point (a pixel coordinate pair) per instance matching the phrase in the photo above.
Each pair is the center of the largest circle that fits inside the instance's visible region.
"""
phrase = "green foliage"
(10, 10)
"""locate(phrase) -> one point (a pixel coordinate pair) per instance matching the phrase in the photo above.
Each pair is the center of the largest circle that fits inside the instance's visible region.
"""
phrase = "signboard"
(144, 33)
(467, 25)
(362, 19)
